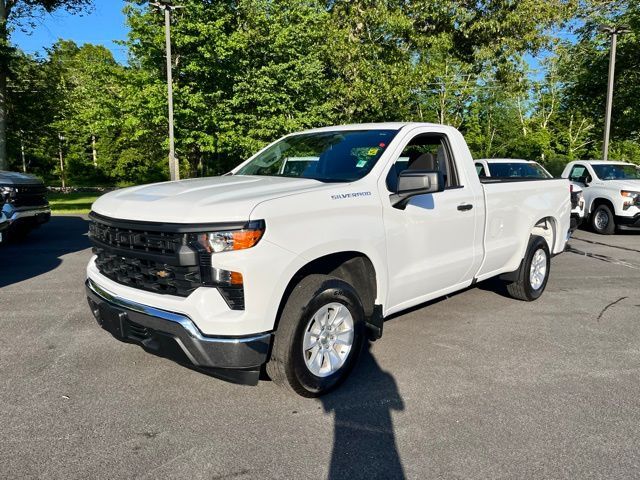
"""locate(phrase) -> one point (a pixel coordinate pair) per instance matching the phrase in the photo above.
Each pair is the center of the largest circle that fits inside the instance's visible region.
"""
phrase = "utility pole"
(167, 7)
(60, 140)
(612, 32)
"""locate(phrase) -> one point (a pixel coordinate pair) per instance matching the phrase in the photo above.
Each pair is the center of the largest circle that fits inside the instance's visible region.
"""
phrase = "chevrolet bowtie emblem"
(162, 274)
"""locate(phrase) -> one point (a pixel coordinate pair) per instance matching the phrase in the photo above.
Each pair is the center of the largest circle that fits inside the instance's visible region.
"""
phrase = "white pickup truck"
(296, 268)
(611, 193)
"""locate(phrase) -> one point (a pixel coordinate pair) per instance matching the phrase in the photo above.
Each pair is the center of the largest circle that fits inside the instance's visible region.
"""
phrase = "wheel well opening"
(601, 201)
(546, 228)
(353, 267)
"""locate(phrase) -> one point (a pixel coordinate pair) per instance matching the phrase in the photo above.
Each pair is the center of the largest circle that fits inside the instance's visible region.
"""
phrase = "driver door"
(435, 243)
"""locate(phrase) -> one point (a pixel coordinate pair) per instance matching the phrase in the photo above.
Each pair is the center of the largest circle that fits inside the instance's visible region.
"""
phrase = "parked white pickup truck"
(297, 270)
(611, 193)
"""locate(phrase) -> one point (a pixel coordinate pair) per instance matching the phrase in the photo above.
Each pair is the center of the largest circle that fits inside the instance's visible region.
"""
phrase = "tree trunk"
(60, 138)
(4, 64)
(4, 163)
(94, 152)
(24, 159)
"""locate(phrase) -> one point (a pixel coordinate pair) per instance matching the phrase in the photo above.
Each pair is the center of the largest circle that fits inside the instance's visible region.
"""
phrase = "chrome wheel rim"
(328, 338)
(601, 220)
(538, 270)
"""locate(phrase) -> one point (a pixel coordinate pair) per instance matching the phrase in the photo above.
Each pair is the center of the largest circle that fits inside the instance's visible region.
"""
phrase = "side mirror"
(416, 182)
(587, 180)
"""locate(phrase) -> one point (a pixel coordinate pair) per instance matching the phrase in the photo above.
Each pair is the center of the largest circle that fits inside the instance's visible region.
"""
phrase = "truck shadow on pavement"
(42, 250)
(364, 444)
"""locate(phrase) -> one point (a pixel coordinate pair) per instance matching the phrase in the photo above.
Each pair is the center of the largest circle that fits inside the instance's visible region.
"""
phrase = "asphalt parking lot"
(476, 385)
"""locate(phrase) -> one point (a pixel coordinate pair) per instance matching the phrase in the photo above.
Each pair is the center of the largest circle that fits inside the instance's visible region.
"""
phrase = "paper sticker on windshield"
(361, 163)
(373, 151)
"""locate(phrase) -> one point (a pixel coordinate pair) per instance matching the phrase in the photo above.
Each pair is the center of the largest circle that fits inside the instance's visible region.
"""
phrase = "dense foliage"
(248, 71)
(21, 14)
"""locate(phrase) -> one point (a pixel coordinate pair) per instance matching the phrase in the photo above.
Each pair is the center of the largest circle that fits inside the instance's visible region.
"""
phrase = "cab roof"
(376, 126)
(505, 160)
(604, 162)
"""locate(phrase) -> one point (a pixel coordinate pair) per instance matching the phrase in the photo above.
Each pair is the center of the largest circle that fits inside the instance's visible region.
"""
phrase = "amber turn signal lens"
(236, 278)
(246, 239)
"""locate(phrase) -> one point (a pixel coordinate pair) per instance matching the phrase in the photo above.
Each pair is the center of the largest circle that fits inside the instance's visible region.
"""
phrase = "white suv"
(611, 192)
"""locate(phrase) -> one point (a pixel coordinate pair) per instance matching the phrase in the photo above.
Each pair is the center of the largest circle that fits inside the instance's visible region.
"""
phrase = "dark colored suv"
(25, 203)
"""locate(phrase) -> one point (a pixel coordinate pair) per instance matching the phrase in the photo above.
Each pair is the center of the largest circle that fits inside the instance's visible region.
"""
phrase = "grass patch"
(71, 202)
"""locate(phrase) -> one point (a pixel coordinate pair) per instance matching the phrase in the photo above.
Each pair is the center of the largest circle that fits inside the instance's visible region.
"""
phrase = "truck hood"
(633, 185)
(17, 178)
(199, 200)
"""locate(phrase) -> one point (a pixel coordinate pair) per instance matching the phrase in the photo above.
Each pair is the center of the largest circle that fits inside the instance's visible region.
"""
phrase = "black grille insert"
(30, 196)
(138, 240)
(148, 275)
(138, 331)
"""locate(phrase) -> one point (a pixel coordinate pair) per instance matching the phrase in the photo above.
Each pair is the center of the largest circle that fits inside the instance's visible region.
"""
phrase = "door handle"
(463, 207)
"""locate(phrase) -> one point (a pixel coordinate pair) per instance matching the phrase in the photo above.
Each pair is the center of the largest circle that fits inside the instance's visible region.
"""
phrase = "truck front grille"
(136, 240)
(148, 275)
(151, 257)
(30, 196)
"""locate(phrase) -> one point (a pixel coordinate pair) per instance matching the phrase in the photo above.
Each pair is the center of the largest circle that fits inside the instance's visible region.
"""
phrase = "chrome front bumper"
(23, 213)
(174, 335)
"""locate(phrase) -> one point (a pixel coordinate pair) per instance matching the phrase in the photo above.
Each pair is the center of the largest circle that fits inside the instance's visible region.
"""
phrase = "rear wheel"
(603, 221)
(534, 271)
(319, 337)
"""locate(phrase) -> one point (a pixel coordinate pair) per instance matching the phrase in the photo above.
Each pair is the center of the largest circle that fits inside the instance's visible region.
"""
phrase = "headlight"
(630, 198)
(8, 192)
(230, 284)
(224, 241)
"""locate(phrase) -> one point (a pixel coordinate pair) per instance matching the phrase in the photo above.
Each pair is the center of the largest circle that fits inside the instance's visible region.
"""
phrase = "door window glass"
(578, 173)
(427, 152)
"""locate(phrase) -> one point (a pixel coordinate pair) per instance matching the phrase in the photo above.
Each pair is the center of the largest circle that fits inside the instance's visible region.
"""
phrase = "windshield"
(335, 156)
(518, 170)
(617, 172)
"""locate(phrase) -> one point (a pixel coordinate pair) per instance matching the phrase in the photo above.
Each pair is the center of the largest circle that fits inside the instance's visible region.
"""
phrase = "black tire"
(287, 366)
(522, 288)
(603, 211)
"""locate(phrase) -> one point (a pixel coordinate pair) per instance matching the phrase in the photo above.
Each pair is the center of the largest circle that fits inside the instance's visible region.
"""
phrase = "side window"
(426, 151)
(579, 173)
(480, 170)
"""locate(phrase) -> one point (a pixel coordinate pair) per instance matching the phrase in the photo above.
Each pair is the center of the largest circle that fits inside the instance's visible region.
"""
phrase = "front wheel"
(533, 274)
(603, 221)
(319, 336)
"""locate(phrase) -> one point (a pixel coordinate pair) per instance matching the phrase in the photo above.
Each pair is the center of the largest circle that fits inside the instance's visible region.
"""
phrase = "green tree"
(585, 70)
(20, 13)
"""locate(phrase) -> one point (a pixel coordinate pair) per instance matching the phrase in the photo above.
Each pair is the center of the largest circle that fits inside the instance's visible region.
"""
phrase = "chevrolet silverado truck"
(517, 168)
(294, 269)
(611, 193)
(25, 203)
